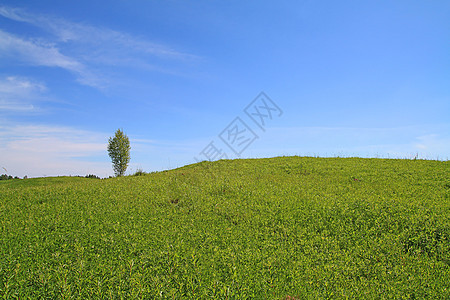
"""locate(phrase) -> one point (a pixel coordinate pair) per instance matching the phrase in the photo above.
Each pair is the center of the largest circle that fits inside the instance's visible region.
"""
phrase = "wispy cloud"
(39, 150)
(45, 150)
(35, 52)
(19, 94)
(73, 142)
(84, 49)
(12, 13)
(38, 53)
(67, 31)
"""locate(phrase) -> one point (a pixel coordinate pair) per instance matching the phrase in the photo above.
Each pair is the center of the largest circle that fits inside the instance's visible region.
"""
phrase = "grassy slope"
(266, 229)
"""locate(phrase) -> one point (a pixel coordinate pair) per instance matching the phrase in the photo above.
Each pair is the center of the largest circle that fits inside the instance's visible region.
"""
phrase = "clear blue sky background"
(353, 78)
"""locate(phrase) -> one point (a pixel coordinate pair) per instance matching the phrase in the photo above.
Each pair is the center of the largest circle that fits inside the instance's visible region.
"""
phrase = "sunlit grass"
(236, 229)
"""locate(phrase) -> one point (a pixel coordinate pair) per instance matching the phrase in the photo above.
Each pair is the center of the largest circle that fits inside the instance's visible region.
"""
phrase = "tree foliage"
(5, 177)
(119, 151)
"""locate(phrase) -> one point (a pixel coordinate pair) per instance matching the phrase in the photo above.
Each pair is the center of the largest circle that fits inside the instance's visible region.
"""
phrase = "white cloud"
(11, 13)
(87, 50)
(107, 42)
(18, 94)
(35, 150)
(19, 85)
(43, 150)
(38, 53)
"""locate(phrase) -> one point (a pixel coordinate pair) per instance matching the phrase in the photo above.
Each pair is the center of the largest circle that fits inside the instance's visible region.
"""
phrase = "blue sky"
(350, 78)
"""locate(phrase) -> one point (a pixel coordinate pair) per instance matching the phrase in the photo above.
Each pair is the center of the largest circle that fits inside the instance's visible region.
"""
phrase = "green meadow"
(278, 228)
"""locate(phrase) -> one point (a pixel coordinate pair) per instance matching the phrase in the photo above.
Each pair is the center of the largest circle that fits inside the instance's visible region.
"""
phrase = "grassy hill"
(233, 229)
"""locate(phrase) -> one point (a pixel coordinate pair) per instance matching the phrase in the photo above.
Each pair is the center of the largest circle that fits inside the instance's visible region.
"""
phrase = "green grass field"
(234, 229)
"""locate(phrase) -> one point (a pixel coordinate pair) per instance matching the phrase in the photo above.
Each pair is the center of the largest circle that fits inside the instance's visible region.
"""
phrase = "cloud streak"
(67, 31)
(38, 150)
(86, 50)
(102, 45)
(18, 94)
(37, 53)
(44, 150)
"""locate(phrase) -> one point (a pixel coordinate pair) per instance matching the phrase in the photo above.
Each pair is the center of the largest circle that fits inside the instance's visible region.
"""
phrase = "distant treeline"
(8, 177)
(138, 172)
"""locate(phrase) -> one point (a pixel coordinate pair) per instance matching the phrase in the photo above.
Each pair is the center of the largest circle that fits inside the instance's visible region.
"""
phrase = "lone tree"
(119, 151)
